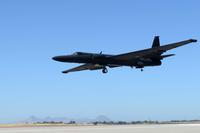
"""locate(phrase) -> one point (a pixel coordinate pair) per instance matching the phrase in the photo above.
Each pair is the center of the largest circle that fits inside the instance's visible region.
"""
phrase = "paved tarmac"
(179, 128)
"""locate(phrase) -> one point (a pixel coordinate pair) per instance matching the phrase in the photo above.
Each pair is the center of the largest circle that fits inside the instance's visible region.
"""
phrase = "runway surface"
(180, 128)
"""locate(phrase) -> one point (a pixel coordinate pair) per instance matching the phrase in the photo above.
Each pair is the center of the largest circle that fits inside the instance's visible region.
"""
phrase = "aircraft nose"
(57, 58)
(64, 58)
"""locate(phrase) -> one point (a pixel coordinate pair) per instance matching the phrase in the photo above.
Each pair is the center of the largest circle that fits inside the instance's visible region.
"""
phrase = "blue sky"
(31, 83)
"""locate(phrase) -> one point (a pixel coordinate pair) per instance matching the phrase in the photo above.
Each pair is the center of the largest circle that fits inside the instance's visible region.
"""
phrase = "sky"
(31, 83)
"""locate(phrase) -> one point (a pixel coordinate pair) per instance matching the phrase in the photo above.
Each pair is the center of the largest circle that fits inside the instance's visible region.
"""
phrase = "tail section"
(156, 42)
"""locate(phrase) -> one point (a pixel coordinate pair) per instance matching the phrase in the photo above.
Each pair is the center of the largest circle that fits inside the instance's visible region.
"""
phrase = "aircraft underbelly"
(132, 62)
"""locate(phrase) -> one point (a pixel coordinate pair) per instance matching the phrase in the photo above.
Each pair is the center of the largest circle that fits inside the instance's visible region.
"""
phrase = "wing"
(85, 67)
(88, 67)
(152, 52)
(79, 68)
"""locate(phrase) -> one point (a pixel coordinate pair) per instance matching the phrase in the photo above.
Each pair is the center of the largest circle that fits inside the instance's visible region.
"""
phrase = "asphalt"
(181, 128)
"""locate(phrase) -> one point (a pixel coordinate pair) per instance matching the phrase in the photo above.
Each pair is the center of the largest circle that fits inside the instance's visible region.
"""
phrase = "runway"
(179, 128)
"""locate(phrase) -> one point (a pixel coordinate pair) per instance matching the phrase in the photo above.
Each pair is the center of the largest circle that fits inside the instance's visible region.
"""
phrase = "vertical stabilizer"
(156, 42)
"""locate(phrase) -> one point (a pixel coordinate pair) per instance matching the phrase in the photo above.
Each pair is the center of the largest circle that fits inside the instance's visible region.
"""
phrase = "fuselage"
(104, 59)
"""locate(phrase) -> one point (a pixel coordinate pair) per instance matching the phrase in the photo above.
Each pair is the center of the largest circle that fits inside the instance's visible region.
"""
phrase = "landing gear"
(141, 68)
(105, 70)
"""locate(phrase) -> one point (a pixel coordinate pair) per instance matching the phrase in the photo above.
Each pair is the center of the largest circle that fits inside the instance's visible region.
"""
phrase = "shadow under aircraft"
(138, 59)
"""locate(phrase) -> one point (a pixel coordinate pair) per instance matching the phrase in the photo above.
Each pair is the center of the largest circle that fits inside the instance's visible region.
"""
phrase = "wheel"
(142, 70)
(105, 70)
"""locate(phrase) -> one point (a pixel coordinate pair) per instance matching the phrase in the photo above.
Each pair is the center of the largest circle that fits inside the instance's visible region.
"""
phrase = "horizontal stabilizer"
(168, 55)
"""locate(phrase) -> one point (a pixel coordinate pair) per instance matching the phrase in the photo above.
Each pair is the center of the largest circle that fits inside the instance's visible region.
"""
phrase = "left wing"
(152, 52)
(88, 67)
(84, 67)
(80, 68)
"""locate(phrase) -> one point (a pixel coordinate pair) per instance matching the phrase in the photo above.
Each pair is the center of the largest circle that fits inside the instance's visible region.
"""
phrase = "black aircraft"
(137, 59)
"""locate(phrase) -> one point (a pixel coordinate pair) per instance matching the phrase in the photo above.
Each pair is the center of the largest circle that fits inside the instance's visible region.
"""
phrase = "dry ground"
(171, 128)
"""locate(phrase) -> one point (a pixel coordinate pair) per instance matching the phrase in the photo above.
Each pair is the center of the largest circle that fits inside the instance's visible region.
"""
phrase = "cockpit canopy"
(83, 53)
(77, 53)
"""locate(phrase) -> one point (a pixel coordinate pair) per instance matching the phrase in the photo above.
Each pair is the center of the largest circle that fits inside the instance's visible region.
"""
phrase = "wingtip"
(193, 40)
(64, 72)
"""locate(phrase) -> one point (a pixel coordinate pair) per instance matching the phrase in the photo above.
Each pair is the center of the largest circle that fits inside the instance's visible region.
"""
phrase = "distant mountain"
(102, 118)
(34, 119)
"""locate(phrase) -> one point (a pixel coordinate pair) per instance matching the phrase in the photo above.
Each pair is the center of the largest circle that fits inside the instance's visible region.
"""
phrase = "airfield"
(166, 128)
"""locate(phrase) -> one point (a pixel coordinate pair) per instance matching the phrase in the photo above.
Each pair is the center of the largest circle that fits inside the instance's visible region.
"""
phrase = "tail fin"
(156, 42)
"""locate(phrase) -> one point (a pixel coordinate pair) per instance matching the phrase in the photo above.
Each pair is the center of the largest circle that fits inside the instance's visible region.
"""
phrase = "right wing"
(175, 45)
(152, 52)
(85, 67)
